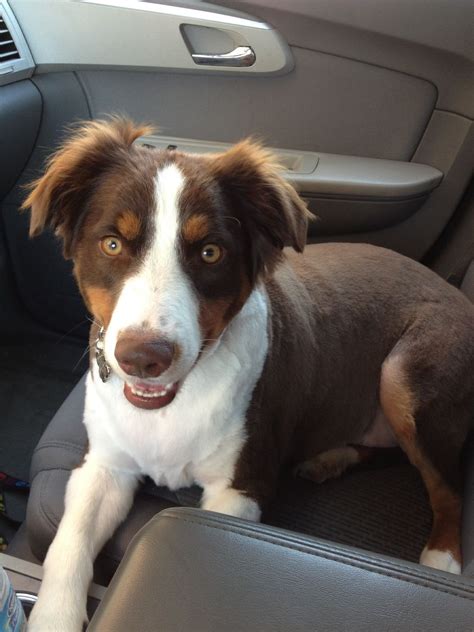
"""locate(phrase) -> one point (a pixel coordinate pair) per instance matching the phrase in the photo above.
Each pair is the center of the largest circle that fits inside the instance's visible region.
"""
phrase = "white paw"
(442, 560)
(233, 503)
(56, 615)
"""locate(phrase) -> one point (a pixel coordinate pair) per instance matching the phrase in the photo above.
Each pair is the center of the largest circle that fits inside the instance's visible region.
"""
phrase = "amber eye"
(211, 253)
(111, 246)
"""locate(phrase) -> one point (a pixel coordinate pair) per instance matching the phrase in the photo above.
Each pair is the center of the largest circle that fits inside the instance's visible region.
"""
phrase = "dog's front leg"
(223, 498)
(97, 500)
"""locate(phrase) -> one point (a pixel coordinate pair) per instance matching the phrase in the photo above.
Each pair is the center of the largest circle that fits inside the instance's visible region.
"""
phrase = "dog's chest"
(196, 438)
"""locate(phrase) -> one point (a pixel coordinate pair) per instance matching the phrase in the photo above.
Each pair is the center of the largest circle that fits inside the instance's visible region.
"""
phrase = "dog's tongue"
(150, 397)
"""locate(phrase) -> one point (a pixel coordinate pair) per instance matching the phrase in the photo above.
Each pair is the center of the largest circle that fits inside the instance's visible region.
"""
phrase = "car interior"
(369, 106)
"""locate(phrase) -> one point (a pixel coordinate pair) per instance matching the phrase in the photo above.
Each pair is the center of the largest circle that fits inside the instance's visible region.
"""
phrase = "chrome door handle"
(240, 57)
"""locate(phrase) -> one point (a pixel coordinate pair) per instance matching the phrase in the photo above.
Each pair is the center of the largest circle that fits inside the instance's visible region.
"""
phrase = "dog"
(219, 355)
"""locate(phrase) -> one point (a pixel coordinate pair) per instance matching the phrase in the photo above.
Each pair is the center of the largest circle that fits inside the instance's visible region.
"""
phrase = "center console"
(26, 580)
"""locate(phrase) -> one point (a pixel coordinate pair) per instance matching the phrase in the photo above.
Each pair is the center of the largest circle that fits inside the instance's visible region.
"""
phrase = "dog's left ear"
(269, 208)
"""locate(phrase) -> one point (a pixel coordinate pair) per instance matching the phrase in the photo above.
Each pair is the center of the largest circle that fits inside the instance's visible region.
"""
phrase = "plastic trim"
(315, 174)
(68, 35)
(15, 69)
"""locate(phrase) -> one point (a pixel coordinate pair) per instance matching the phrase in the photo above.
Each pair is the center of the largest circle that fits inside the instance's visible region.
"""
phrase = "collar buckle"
(104, 366)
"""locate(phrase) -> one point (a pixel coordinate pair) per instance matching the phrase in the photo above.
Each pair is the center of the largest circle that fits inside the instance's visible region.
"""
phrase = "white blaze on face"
(160, 297)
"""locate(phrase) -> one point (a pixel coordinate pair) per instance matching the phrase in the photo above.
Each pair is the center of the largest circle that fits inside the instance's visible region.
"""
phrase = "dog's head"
(166, 246)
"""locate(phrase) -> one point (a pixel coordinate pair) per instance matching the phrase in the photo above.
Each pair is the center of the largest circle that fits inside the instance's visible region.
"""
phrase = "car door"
(369, 105)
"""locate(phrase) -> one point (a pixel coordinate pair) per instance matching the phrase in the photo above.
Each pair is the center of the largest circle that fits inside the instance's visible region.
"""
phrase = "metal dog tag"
(104, 367)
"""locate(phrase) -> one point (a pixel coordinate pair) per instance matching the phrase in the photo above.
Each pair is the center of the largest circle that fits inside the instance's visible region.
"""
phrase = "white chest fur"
(199, 435)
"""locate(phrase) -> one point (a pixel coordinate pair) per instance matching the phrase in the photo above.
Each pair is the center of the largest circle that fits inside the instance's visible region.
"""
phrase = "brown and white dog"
(229, 357)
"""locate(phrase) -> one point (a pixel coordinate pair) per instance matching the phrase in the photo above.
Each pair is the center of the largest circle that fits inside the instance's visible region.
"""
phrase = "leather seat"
(384, 510)
(60, 450)
(291, 583)
(63, 443)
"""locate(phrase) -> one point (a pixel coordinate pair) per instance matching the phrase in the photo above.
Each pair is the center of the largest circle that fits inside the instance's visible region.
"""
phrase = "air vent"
(16, 62)
(8, 49)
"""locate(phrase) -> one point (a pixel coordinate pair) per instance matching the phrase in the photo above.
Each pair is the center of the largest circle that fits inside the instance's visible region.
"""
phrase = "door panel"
(148, 36)
(373, 80)
(346, 193)
(443, 25)
(20, 115)
(430, 40)
(44, 280)
(304, 109)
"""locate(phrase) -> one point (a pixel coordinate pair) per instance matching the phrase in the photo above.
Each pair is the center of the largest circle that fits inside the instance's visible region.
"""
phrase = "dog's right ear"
(57, 198)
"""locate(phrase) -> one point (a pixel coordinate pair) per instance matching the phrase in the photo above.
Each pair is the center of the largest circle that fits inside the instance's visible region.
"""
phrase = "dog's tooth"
(151, 394)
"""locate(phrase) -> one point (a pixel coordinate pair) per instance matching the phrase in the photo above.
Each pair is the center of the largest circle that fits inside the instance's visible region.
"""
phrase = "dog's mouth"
(150, 396)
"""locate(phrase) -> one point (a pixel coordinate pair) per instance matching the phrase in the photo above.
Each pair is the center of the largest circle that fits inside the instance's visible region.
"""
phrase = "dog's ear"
(273, 214)
(57, 198)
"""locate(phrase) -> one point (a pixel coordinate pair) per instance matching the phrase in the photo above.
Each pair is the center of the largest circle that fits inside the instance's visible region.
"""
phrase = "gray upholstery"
(194, 570)
(60, 450)
(382, 509)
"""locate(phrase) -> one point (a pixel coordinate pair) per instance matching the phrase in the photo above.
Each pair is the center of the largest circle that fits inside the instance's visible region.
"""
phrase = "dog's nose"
(144, 357)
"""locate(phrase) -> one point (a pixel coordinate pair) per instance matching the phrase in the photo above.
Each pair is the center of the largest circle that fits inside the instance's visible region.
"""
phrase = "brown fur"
(129, 225)
(101, 303)
(337, 315)
(215, 314)
(398, 401)
(196, 228)
(399, 405)
(238, 198)
(212, 318)
(333, 463)
(446, 530)
(269, 207)
(57, 197)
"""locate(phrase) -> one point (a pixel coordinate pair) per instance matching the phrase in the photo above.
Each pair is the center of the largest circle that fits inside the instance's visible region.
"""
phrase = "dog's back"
(366, 343)
(337, 313)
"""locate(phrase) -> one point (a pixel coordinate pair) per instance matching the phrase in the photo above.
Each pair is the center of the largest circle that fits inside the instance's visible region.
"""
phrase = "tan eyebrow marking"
(129, 224)
(196, 228)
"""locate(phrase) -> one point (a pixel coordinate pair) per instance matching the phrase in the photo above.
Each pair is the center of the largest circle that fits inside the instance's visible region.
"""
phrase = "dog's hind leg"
(333, 463)
(423, 398)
